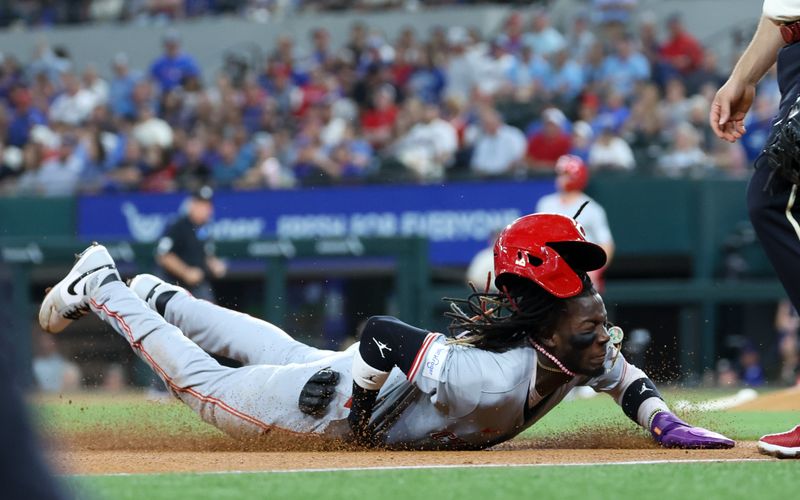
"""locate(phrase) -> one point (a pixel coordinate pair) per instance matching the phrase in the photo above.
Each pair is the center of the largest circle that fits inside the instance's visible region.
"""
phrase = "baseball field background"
(123, 446)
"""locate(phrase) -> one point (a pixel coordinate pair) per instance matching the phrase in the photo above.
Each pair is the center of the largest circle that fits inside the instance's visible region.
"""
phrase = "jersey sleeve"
(621, 380)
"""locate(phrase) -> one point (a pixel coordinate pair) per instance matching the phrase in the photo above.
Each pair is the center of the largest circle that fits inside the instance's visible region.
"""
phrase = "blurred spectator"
(581, 38)
(120, 90)
(549, 143)
(461, 63)
(543, 37)
(428, 147)
(726, 375)
(528, 73)
(498, 148)
(582, 138)
(623, 69)
(173, 67)
(24, 117)
(758, 126)
(706, 76)
(427, 80)
(787, 324)
(752, 371)
(95, 85)
(681, 51)
(609, 151)
(230, 166)
(378, 121)
(566, 79)
(52, 372)
(74, 104)
(57, 175)
(684, 156)
(491, 70)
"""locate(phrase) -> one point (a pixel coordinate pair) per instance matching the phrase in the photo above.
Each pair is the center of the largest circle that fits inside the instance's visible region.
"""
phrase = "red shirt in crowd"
(378, 124)
(548, 149)
(683, 52)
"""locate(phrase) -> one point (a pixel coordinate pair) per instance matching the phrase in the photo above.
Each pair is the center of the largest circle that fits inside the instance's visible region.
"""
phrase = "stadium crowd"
(625, 92)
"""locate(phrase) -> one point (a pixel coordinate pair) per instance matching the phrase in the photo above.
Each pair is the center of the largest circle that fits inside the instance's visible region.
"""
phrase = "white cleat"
(67, 301)
(148, 287)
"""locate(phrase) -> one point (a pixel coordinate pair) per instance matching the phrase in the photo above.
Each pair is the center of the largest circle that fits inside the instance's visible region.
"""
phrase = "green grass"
(711, 481)
(168, 418)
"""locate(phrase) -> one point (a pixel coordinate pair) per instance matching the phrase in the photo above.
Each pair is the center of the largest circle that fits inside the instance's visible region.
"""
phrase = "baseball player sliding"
(517, 354)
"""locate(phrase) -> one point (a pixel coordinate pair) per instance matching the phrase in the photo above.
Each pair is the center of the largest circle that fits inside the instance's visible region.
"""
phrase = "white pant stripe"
(789, 215)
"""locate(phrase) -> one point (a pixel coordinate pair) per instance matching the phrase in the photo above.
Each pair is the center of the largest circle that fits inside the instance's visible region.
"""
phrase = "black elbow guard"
(636, 394)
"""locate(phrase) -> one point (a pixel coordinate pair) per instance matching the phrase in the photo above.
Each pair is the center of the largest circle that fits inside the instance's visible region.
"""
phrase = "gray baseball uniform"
(454, 397)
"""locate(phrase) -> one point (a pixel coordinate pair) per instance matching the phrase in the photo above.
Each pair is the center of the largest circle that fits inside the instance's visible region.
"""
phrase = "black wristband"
(636, 393)
(361, 406)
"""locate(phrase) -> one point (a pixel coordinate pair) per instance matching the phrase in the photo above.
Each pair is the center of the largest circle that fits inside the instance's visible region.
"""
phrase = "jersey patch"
(434, 361)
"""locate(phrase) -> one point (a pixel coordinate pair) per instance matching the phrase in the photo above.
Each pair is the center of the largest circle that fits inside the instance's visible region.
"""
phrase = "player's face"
(580, 338)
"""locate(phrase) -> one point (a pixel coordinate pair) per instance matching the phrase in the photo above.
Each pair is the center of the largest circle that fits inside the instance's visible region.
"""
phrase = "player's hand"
(729, 108)
(217, 267)
(194, 276)
(671, 432)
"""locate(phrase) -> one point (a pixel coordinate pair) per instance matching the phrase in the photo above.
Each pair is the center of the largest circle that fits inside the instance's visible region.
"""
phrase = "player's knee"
(377, 325)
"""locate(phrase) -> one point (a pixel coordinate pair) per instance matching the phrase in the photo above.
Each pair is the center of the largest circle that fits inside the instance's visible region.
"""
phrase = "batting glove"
(671, 432)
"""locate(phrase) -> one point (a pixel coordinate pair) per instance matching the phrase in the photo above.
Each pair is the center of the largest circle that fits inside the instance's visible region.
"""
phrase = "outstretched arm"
(733, 100)
(640, 400)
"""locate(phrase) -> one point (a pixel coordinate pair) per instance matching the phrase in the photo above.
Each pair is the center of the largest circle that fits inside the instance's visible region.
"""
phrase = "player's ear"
(548, 340)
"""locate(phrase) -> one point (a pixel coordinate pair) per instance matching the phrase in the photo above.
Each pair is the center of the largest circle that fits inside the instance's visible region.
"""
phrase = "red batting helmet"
(546, 249)
(575, 170)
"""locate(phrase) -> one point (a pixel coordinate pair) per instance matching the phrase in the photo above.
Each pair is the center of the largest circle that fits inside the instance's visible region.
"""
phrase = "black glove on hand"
(360, 412)
(783, 149)
(318, 392)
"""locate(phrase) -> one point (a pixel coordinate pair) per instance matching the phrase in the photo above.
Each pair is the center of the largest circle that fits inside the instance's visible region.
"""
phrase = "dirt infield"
(112, 451)
(785, 400)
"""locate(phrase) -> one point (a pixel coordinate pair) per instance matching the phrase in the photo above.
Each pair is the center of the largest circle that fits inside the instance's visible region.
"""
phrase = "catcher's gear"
(546, 249)
(575, 171)
(318, 392)
(782, 152)
(671, 432)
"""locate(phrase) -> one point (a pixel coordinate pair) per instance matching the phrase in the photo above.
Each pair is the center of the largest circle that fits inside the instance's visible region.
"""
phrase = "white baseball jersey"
(454, 397)
(782, 10)
(593, 218)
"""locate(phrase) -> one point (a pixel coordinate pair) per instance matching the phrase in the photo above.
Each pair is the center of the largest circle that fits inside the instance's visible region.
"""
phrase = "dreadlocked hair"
(501, 321)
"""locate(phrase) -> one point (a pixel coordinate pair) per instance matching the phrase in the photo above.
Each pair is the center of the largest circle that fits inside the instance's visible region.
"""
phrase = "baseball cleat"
(148, 288)
(67, 301)
(783, 445)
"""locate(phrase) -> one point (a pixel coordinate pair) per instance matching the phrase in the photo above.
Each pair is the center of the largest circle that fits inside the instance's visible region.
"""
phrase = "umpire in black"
(185, 253)
(772, 192)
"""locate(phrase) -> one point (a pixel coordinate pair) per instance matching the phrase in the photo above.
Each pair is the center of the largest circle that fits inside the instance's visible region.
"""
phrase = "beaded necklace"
(552, 358)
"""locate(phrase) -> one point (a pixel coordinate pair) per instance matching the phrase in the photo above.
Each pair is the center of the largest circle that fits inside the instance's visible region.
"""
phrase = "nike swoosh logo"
(71, 287)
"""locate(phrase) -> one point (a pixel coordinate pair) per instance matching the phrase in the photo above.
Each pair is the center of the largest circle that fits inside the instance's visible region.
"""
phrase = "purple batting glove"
(671, 432)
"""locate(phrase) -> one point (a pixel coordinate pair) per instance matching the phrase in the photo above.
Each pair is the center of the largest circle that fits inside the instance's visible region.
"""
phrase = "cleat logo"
(644, 389)
(71, 287)
(381, 347)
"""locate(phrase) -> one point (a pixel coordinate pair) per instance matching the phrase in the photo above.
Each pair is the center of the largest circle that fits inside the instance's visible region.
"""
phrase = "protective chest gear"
(547, 249)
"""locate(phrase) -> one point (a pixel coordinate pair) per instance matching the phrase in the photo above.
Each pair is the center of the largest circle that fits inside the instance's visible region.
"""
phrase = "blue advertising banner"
(458, 219)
